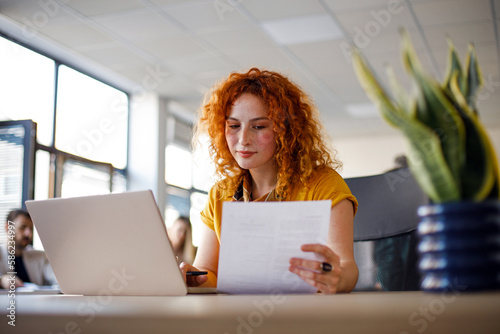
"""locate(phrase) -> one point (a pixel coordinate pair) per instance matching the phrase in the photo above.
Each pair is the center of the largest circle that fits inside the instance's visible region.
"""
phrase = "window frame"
(57, 156)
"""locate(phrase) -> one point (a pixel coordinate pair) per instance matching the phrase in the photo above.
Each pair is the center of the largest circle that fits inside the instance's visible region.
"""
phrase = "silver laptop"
(113, 244)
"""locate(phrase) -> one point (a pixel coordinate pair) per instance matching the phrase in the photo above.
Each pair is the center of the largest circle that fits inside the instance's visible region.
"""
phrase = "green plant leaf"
(403, 100)
(436, 111)
(474, 78)
(454, 67)
(426, 157)
(478, 175)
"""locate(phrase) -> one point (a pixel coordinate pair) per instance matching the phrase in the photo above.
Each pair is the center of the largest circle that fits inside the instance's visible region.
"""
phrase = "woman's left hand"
(312, 271)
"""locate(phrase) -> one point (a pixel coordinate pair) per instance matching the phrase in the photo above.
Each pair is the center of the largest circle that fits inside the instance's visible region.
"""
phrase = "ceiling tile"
(388, 44)
(35, 17)
(107, 56)
(329, 51)
(270, 10)
(173, 87)
(328, 63)
(263, 58)
(169, 2)
(171, 47)
(356, 5)
(204, 16)
(486, 53)
(135, 74)
(204, 68)
(496, 4)
(460, 34)
(148, 77)
(451, 11)
(75, 34)
(99, 7)
(242, 39)
(368, 24)
(137, 25)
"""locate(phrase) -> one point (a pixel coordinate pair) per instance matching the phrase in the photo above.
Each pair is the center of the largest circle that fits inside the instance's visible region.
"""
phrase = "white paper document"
(259, 238)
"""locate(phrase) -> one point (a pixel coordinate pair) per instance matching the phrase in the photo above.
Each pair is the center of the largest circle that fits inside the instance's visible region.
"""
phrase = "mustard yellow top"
(324, 184)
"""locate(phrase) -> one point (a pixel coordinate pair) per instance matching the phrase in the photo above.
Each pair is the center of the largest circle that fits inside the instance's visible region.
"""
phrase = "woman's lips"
(245, 154)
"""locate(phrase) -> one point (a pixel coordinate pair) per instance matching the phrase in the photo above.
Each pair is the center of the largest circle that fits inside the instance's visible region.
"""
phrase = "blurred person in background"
(30, 265)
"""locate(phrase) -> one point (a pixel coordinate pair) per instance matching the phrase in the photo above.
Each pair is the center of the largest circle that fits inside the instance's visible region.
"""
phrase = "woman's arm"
(338, 252)
(207, 259)
(340, 241)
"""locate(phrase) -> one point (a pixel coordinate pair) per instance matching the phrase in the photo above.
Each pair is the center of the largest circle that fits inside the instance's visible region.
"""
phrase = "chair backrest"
(385, 230)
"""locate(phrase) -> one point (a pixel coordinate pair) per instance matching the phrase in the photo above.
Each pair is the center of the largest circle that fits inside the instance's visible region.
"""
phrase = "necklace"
(268, 195)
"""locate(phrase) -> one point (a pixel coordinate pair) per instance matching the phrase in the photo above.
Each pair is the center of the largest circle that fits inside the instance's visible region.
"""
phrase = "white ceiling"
(190, 44)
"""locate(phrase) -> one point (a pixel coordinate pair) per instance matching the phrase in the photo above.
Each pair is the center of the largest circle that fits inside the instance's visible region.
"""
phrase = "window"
(91, 119)
(27, 83)
(188, 175)
(178, 166)
(82, 129)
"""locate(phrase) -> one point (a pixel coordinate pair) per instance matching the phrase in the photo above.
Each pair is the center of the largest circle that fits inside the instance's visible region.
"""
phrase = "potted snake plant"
(453, 161)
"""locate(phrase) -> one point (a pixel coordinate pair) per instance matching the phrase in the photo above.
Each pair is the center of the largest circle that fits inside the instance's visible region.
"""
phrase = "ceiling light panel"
(271, 10)
(343, 6)
(362, 110)
(303, 29)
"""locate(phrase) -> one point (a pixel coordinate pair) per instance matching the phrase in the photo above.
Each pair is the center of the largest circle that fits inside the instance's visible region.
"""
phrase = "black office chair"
(385, 241)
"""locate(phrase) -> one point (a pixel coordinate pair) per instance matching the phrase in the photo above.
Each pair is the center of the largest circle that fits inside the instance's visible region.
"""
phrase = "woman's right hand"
(191, 281)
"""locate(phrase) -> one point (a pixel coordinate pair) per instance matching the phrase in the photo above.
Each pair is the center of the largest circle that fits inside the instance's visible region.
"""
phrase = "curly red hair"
(301, 144)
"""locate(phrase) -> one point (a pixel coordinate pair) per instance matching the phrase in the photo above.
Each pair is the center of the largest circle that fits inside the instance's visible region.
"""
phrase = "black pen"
(196, 273)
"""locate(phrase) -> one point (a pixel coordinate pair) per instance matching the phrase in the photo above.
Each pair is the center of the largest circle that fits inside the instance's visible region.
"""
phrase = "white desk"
(361, 312)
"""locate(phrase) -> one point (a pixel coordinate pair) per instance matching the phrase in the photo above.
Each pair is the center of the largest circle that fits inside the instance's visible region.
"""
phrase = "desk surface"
(360, 312)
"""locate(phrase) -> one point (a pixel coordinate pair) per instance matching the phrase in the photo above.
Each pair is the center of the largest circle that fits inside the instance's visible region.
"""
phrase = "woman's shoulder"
(219, 191)
(321, 174)
(327, 179)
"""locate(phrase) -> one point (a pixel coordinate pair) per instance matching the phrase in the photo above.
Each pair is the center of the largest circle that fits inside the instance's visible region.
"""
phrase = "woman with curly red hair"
(267, 144)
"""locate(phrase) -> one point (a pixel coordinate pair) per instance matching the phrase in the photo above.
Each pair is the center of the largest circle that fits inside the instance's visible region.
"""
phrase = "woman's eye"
(259, 127)
(233, 126)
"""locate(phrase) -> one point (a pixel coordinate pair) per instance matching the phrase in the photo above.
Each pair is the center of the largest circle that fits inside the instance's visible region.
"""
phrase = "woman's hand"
(191, 280)
(312, 271)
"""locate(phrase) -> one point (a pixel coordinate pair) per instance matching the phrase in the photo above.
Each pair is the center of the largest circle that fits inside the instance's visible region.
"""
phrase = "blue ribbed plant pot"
(459, 246)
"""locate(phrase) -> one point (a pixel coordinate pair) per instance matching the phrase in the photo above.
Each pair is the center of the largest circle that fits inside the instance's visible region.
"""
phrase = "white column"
(147, 140)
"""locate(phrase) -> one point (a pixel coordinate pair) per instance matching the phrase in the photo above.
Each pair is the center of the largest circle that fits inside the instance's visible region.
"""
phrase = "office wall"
(368, 155)
(375, 154)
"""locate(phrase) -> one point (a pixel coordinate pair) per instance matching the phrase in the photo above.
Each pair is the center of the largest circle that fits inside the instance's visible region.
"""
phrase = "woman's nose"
(244, 137)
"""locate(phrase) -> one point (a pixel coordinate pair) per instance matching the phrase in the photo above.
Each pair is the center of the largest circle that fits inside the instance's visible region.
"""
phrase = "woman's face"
(249, 134)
